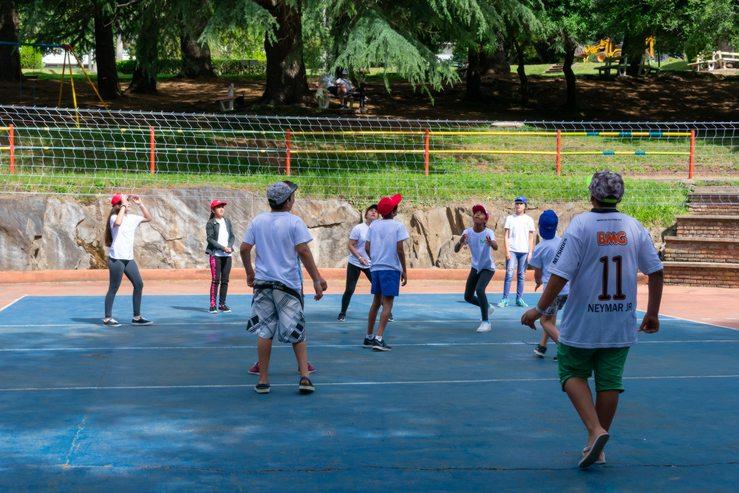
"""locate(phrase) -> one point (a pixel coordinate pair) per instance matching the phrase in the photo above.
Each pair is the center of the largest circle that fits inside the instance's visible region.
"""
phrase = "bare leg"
(606, 403)
(376, 301)
(301, 354)
(579, 393)
(264, 349)
(387, 309)
(544, 339)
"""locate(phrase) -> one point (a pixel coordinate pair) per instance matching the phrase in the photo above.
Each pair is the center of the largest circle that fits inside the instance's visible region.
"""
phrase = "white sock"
(369, 336)
(378, 338)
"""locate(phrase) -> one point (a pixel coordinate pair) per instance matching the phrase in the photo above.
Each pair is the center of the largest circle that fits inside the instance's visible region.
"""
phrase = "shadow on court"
(85, 407)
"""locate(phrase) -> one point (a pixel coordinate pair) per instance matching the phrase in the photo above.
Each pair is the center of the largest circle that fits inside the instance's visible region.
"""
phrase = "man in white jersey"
(281, 240)
(599, 255)
(540, 261)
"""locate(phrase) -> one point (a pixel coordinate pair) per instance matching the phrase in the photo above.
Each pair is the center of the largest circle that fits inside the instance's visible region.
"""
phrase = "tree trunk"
(107, 71)
(521, 70)
(475, 68)
(144, 78)
(286, 79)
(632, 51)
(570, 80)
(10, 56)
(196, 61)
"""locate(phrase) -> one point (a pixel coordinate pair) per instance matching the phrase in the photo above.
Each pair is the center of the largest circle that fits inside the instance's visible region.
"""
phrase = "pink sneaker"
(254, 370)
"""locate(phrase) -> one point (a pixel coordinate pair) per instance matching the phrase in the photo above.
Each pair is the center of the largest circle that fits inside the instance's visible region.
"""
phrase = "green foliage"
(31, 58)
(222, 66)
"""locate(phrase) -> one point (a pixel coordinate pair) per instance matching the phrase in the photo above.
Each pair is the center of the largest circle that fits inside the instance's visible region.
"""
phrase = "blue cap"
(520, 199)
(548, 224)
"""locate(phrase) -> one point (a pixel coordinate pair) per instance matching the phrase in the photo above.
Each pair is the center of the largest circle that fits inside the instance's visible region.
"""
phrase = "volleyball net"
(93, 152)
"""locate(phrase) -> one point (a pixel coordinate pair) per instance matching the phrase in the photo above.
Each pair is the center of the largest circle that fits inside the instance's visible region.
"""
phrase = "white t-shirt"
(359, 233)
(275, 236)
(480, 251)
(384, 235)
(123, 236)
(541, 258)
(222, 238)
(519, 228)
(600, 254)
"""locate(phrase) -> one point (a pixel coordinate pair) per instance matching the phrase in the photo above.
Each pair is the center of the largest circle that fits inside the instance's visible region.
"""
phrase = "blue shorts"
(386, 282)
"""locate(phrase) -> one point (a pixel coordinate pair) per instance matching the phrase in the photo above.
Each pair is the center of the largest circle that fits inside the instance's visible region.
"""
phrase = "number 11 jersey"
(600, 253)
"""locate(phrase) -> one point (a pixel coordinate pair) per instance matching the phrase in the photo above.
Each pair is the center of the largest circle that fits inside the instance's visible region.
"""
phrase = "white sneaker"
(484, 327)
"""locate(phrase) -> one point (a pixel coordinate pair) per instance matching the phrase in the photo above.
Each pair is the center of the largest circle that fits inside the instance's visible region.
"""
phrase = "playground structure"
(67, 68)
(606, 50)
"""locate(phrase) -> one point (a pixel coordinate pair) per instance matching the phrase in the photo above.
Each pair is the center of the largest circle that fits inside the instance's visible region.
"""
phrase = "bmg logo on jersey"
(606, 238)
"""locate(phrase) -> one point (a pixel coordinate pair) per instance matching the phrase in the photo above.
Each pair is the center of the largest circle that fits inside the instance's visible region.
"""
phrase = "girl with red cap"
(119, 237)
(480, 240)
(220, 240)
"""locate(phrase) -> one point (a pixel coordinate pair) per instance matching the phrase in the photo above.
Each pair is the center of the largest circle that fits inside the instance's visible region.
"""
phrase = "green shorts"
(607, 363)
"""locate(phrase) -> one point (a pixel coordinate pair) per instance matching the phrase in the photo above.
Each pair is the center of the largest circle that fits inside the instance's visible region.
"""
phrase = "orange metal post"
(288, 155)
(152, 151)
(691, 159)
(426, 150)
(559, 150)
(11, 144)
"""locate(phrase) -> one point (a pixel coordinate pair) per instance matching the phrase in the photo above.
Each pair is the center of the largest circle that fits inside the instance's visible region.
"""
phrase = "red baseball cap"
(386, 204)
(116, 199)
(479, 208)
(216, 203)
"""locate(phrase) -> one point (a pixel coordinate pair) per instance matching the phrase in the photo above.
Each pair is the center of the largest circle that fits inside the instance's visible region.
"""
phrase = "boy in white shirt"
(599, 255)
(519, 243)
(281, 241)
(481, 241)
(384, 246)
(540, 260)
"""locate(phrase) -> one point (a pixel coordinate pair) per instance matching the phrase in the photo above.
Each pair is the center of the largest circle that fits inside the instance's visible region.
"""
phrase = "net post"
(426, 150)
(558, 159)
(288, 153)
(691, 158)
(11, 146)
(152, 151)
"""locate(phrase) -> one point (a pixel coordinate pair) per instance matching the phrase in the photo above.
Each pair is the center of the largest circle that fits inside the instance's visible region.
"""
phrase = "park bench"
(719, 60)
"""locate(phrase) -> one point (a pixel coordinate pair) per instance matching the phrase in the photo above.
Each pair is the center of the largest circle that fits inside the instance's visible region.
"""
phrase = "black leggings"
(116, 269)
(474, 290)
(220, 269)
(352, 276)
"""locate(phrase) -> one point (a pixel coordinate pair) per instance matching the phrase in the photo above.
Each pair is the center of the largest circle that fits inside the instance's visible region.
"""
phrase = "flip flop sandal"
(601, 457)
(592, 455)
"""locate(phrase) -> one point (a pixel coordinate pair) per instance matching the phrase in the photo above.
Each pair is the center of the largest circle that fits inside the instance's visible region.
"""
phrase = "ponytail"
(108, 232)
(212, 215)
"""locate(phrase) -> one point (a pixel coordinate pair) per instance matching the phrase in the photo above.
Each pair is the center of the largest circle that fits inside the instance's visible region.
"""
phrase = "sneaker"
(261, 388)
(111, 322)
(391, 318)
(484, 327)
(341, 317)
(380, 345)
(311, 369)
(368, 342)
(141, 321)
(224, 308)
(555, 358)
(540, 351)
(213, 309)
(521, 302)
(254, 370)
(491, 308)
(503, 303)
(305, 386)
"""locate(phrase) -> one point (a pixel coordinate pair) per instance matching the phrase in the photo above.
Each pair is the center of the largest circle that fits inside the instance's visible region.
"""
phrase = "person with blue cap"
(519, 243)
(540, 261)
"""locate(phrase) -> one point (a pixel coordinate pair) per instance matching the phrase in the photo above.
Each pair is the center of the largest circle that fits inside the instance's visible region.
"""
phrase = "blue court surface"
(171, 407)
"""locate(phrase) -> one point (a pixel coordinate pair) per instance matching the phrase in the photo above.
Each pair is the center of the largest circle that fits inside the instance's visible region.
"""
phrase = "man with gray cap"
(599, 255)
(281, 240)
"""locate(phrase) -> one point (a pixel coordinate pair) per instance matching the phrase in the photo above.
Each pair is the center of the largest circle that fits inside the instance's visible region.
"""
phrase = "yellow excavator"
(606, 49)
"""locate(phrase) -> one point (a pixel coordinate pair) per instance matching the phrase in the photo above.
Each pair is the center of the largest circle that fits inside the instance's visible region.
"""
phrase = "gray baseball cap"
(279, 192)
(607, 187)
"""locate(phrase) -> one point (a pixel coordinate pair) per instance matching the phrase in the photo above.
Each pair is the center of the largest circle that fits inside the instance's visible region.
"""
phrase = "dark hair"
(390, 216)
(212, 215)
(373, 206)
(108, 232)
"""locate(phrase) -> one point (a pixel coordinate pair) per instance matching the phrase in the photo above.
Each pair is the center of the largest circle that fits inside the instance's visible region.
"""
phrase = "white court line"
(699, 322)
(12, 303)
(345, 384)
(313, 346)
(238, 322)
